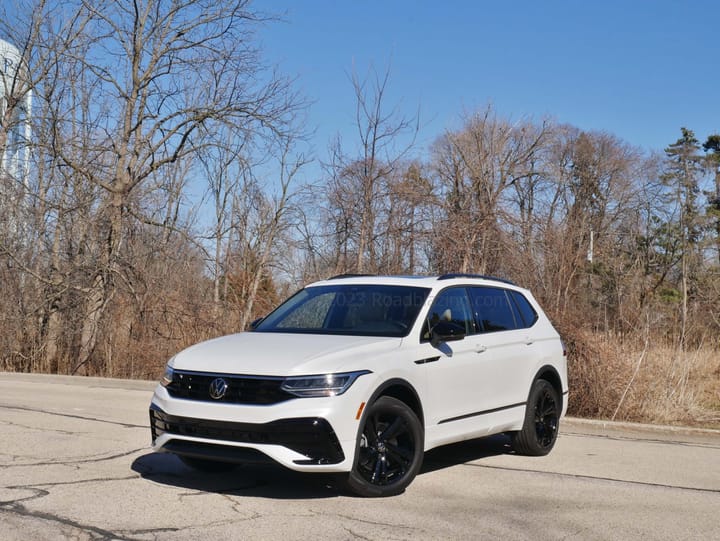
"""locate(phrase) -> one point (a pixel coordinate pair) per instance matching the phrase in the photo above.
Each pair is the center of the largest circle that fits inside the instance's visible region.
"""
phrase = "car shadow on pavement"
(465, 451)
(275, 482)
(263, 481)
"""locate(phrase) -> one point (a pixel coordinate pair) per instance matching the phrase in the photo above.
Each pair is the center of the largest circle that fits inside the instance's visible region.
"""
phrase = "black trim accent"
(381, 390)
(309, 436)
(451, 275)
(241, 388)
(221, 453)
(350, 275)
(550, 374)
(428, 360)
(478, 413)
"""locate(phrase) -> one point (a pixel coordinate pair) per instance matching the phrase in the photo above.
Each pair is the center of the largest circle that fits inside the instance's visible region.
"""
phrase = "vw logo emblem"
(218, 388)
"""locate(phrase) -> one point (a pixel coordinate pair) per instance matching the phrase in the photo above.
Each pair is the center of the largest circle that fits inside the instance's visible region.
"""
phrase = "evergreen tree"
(712, 149)
(683, 169)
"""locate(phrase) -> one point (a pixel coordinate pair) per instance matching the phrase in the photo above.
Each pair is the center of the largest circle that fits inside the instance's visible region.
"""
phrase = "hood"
(279, 354)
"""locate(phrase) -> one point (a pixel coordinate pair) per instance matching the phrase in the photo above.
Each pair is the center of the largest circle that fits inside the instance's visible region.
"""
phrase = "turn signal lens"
(167, 377)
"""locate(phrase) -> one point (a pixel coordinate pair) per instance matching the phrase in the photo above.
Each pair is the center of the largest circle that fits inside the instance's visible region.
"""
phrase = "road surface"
(75, 463)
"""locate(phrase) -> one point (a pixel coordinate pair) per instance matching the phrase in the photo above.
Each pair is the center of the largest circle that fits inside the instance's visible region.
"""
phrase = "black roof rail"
(349, 275)
(452, 275)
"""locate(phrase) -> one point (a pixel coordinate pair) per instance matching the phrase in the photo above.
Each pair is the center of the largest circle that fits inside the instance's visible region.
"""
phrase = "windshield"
(359, 310)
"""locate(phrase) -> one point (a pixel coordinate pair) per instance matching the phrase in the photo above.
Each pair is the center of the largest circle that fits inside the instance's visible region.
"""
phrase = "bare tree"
(275, 217)
(223, 164)
(356, 179)
(159, 71)
(475, 166)
(125, 94)
(405, 228)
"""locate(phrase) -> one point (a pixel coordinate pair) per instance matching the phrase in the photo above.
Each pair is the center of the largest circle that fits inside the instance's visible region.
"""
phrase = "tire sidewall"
(539, 387)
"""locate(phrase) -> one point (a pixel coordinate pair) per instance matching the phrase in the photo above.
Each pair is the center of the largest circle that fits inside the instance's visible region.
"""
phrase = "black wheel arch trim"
(397, 382)
(554, 380)
(379, 392)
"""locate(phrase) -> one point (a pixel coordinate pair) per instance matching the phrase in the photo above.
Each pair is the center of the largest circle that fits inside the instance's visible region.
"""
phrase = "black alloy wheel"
(389, 449)
(546, 419)
(542, 421)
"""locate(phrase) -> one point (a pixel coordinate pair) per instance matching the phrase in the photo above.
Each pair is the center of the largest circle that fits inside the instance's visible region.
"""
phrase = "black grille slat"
(241, 389)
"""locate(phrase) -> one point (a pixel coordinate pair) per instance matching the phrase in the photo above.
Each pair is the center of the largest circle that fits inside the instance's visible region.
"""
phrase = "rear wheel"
(389, 450)
(542, 418)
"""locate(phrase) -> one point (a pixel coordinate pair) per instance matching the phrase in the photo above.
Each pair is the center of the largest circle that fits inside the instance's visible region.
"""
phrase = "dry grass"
(642, 381)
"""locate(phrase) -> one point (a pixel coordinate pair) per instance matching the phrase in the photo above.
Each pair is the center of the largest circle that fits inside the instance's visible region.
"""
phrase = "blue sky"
(638, 69)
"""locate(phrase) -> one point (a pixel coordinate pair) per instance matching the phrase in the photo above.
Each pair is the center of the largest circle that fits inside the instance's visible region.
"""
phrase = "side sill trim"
(478, 413)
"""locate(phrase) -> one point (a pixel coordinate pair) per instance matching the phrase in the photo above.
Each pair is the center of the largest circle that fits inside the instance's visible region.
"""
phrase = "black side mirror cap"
(446, 331)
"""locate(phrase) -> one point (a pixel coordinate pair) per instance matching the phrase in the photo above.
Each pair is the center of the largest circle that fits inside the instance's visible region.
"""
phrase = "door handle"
(529, 341)
(480, 348)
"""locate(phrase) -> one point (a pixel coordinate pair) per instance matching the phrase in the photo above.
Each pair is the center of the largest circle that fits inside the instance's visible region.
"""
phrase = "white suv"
(362, 374)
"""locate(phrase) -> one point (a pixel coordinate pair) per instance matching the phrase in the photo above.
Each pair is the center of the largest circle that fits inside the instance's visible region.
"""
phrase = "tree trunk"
(52, 338)
(101, 289)
(94, 308)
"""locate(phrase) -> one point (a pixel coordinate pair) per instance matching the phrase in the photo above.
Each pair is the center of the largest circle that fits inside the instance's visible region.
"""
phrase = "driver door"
(453, 381)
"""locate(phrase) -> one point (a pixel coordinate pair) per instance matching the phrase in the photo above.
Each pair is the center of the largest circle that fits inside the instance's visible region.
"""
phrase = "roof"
(418, 281)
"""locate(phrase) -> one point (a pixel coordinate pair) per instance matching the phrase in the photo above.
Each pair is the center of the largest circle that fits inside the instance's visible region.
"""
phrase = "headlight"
(167, 376)
(322, 385)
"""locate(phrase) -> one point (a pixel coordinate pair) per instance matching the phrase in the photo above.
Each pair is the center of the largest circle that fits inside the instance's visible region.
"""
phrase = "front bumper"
(313, 438)
(304, 434)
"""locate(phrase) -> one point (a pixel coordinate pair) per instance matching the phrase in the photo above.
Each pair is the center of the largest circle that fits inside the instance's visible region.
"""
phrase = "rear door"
(507, 346)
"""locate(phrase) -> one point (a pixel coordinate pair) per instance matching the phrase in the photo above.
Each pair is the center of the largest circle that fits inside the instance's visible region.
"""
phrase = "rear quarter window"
(528, 314)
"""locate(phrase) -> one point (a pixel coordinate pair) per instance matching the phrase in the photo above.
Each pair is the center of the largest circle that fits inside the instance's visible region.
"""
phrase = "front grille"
(261, 390)
(312, 437)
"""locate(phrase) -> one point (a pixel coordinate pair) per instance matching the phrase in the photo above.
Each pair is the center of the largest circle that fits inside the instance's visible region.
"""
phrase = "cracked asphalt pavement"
(76, 463)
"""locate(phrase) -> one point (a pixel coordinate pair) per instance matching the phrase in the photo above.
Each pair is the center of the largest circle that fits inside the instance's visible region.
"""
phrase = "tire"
(206, 466)
(389, 450)
(542, 420)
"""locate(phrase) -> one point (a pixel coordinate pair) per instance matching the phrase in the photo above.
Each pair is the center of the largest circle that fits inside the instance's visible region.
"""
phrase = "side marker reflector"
(360, 410)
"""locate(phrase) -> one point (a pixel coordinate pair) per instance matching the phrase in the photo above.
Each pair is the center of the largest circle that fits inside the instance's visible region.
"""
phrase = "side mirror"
(445, 331)
(255, 323)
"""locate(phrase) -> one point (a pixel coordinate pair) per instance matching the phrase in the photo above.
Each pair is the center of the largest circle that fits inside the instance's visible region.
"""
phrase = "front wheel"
(389, 450)
(542, 418)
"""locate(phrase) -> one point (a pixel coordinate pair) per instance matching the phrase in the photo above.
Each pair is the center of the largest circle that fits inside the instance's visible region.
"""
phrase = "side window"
(528, 313)
(450, 305)
(492, 309)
